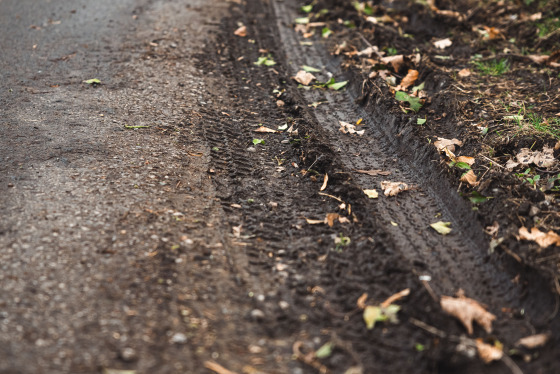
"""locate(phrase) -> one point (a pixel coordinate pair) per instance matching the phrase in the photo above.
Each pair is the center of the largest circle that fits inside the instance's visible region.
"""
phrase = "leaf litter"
(467, 310)
(393, 188)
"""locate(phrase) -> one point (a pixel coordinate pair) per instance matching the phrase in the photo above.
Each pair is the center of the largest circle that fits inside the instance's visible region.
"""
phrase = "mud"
(183, 245)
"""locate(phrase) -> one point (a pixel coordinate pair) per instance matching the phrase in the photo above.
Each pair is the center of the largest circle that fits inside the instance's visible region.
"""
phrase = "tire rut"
(457, 261)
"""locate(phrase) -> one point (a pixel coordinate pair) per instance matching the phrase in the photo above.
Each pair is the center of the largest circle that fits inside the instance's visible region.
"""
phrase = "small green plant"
(266, 61)
(547, 26)
(341, 241)
(413, 101)
(391, 51)
(492, 67)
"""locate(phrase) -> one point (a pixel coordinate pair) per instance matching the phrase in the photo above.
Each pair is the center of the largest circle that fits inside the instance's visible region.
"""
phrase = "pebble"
(128, 354)
(251, 149)
(257, 314)
(179, 338)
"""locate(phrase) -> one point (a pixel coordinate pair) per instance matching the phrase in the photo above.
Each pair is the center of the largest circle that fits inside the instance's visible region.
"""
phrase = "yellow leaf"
(371, 315)
(372, 194)
(441, 227)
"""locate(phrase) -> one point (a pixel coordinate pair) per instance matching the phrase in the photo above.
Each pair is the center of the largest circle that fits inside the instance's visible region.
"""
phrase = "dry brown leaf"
(466, 160)
(470, 178)
(487, 352)
(395, 61)
(541, 238)
(493, 33)
(492, 230)
(217, 368)
(533, 341)
(348, 128)
(442, 144)
(342, 219)
(264, 129)
(510, 164)
(464, 73)
(325, 180)
(467, 310)
(241, 31)
(304, 77)
(361, 303)
(393, 188)
(408, 80)
(394, 298)
(443, 43)
(373, 172)
(315, 221)
(539, 59)
(545, 158)
(331, 217)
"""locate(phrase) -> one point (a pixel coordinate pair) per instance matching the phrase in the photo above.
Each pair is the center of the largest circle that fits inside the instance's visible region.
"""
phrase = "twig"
(492, 161)
(331, 196)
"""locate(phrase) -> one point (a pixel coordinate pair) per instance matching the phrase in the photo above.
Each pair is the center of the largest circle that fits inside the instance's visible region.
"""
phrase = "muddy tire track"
(457, 261)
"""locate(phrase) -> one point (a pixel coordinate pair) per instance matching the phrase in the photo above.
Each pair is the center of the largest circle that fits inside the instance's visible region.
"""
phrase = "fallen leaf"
(93, 81)
(466, 159)
(470, 178)
(393, 188)
(331, 217)
(373, 314)
(315, 221)
(372, 194)
(373, 172)
(542, 239)
(325, 351)
(441, 227)
(264, 129)
(241, 31)
(487, 352)
(492, 230)
(348, 128)
(395, 297)
(304, 77)
(464, 73)
(395, 61)
(467, 310)
(369, 51)
(533, 341)
(443, 43)
(510, 164)
(441, 144)
(361, 303)
(544, 158)
(217, 368)
(408, 80)
(325, 180)
(538, 59)
(493, 33)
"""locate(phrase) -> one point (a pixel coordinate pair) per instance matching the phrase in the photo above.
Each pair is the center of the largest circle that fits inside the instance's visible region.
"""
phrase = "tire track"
(457, 261)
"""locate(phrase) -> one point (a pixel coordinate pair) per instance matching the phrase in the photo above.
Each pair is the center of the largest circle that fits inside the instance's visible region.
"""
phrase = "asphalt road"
(99, 221)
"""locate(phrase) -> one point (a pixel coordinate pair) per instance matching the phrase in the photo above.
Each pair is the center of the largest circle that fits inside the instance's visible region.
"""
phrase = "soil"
(150, 226)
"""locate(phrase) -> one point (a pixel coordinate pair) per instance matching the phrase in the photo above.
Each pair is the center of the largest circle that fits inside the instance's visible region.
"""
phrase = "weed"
(492, 67)
(392, 51)
(548, 26)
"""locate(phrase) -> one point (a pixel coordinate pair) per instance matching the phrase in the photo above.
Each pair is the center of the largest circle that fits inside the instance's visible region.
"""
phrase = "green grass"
(547, 26)
(492, 67)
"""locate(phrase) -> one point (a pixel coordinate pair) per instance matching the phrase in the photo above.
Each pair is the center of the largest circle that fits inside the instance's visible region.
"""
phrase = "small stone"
(128, 354)
(251, 149)
(179, 338)
(257, 314)
(534, 211)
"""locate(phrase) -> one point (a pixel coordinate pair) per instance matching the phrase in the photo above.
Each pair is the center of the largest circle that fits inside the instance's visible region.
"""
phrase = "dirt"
(188, 244)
